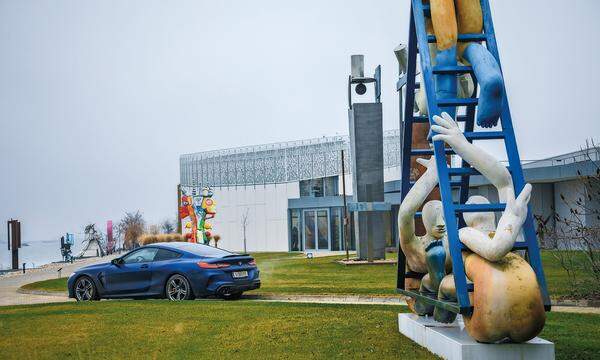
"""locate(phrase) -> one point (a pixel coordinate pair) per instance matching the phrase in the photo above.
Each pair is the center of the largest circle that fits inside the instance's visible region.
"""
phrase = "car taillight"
(206, 265)
(252, 262)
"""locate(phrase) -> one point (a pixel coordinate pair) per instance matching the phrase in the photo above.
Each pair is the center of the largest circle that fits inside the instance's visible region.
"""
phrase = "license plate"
(239, 274)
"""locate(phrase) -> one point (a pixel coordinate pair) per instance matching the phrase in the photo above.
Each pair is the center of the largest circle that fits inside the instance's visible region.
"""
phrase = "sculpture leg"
(443, 18)
(446, 292)
(488, 74)
(436, 266)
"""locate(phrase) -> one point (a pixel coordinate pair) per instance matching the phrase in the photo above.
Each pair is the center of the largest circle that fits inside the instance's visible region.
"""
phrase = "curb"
(42, 293)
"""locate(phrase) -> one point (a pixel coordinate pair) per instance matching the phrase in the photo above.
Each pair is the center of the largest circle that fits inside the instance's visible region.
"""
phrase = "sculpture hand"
(430, 165)
(518, 207)
(447, 130)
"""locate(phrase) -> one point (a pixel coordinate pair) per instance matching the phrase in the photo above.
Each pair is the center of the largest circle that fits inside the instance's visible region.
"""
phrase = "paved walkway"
(11, 282)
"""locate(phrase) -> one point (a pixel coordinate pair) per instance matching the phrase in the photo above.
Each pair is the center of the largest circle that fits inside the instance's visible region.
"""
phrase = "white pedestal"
(451, 341)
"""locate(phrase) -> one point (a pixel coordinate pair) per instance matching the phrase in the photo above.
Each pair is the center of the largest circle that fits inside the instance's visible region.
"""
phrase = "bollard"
(23, 268)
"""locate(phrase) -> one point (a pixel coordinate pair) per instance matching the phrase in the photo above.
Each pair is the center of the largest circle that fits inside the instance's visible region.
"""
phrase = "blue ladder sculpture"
(458, 177)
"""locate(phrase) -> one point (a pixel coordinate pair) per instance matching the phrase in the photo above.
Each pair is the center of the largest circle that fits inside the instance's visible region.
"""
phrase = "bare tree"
(576, 236)
(131, 227)
(244, 226)
(167, 226)
(153, 229)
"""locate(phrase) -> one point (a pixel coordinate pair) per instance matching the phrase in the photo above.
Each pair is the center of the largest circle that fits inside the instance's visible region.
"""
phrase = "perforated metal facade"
(277, 163)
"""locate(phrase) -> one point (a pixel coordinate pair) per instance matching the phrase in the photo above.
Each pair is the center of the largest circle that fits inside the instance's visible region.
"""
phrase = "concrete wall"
(267, 216)
(366, 148)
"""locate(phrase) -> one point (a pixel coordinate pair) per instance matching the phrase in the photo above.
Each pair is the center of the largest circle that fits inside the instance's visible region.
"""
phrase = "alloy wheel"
(177, 288)
(84, 289)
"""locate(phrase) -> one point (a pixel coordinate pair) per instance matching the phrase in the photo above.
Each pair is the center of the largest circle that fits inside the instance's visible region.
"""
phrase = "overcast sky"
(99, 98)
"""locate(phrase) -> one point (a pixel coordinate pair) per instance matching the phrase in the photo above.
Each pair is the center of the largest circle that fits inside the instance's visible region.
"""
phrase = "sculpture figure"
(205, 210)
(506, 298)
(449, 18)
(186, 211)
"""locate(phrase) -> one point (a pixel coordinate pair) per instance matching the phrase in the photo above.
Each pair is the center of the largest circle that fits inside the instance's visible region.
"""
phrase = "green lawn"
(240, 329)
(286, 273)
(55, 285)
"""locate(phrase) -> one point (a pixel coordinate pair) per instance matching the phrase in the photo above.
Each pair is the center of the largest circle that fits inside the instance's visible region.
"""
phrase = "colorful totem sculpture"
(205, 210)
(187, 215)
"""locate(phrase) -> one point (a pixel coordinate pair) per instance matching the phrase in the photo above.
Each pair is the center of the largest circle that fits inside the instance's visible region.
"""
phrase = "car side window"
(140, 256)
(164, 254)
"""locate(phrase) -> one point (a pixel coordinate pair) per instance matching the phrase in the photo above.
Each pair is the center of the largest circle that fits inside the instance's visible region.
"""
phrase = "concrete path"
(11, 282)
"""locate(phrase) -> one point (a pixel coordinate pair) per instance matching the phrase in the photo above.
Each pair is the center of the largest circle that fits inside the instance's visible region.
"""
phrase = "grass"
(53, 285)
(240, 329)
(288, 273)
(203, 329)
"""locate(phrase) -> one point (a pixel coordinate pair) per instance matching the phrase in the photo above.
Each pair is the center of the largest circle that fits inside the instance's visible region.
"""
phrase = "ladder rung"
(484, 135)
(421, 152)
(520, 245)
(425, 119)
(462, 38)
(462, 171)
(463, 208)
(457, 102)
(452, 69)
(467, 171)
(452, 183)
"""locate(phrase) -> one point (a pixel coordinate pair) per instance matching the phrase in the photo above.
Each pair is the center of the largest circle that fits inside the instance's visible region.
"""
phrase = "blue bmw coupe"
(176, 270)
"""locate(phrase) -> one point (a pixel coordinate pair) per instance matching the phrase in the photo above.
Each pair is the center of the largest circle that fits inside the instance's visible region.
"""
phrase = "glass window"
(295, 231)
(309, 230)
(336, 229)
(330, 186)
(203, 250)
(140, 256)
(164, 254)
(323, 229)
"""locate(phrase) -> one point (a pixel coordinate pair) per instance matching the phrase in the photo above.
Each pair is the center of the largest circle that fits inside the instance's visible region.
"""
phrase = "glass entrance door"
(316, 229)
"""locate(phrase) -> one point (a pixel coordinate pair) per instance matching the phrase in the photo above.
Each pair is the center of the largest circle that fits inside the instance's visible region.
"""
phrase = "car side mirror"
(116, 261)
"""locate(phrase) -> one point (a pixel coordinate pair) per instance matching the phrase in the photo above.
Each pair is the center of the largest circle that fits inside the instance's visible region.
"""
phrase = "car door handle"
(145, 266)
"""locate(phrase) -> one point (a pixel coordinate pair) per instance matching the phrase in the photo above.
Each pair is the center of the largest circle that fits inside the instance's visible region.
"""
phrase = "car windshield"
(204, 250)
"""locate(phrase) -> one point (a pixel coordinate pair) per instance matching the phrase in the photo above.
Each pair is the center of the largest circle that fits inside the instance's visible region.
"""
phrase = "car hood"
(94, 267)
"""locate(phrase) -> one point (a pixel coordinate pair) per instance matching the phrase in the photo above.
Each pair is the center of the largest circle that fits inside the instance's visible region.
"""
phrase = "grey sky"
(99, 98)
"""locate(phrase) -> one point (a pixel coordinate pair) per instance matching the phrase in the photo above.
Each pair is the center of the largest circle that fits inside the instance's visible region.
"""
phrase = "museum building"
(288, 196)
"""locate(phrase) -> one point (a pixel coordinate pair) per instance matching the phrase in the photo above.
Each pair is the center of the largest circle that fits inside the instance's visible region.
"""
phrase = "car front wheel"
(178, 288)
(85, 290)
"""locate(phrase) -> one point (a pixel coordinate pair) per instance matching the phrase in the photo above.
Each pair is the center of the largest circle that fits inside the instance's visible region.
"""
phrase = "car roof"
(186, 247)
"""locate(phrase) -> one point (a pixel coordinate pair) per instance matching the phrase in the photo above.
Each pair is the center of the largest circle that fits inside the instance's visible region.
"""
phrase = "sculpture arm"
(507, 231)
(415, 198)
(448, 131)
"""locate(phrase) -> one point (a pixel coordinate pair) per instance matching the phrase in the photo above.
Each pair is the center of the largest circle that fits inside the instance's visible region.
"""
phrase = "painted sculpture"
(448, 19)
(194, 212)
(205, 210)
(187, 216)
(506, 298)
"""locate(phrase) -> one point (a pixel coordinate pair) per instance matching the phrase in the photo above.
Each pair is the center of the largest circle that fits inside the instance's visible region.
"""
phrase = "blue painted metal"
(418, 38)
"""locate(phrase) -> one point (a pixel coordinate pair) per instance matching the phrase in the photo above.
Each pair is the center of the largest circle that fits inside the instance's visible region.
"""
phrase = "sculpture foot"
(488, 74)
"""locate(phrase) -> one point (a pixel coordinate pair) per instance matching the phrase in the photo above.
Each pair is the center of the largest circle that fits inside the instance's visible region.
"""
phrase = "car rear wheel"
(232, 296)
(85, 290)
(178, 288)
